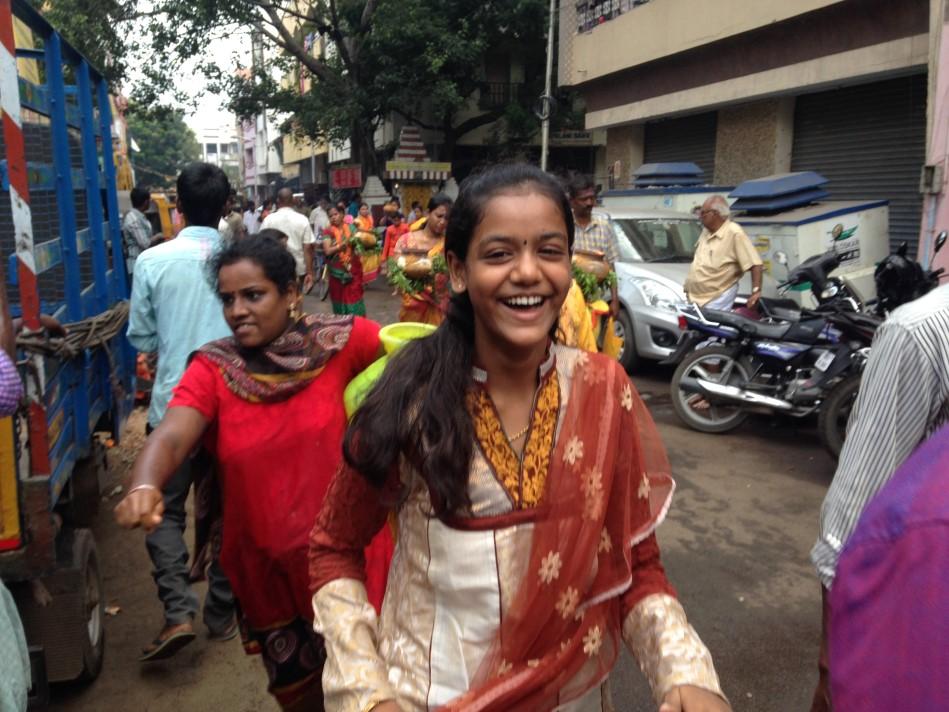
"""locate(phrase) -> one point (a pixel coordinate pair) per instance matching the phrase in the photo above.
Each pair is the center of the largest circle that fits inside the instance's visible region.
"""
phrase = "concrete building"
(268, 161)
(305, 161)
(249, 158)
(260, 146)
(749, 88)
(219, 145)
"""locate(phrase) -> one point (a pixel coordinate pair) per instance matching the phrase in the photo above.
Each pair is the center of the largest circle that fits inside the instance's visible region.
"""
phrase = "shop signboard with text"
(346, 177)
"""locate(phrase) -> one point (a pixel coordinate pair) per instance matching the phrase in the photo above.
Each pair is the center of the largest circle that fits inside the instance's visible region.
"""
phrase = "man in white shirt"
(251, 218)
(231, 225)
(300, 239)
(319, 218)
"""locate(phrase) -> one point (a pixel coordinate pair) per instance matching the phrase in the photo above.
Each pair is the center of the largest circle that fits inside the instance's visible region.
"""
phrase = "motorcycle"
(794, 361)
(899, 279)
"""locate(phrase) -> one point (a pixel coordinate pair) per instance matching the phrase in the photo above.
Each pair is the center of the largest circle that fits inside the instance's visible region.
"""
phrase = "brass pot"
(592, 262)
(367, 239)
(418, 269)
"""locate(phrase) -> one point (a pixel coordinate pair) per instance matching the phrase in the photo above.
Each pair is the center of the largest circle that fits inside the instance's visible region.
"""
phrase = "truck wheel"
(83, 504)
(834, 414)
(63, 613)
(628, 358)
(92, 637)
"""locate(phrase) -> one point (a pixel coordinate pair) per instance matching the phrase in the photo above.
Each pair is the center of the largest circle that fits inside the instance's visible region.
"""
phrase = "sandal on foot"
(172, 639)
(229, 632)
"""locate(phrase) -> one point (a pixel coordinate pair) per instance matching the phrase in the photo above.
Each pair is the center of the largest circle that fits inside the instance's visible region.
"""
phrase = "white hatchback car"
(655, 251)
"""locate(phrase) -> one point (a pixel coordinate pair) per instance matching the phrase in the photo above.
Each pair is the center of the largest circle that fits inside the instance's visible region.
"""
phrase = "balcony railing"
(591, 13)
(497, 95)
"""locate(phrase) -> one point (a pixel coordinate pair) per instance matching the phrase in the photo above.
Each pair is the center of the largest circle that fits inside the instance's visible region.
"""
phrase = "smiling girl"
(527, 479)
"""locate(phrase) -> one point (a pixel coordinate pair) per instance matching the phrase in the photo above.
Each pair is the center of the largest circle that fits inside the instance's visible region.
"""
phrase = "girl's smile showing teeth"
(523, 302)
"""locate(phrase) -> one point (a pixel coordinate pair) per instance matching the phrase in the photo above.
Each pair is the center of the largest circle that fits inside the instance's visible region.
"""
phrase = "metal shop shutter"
(869, 141)
(689, 138)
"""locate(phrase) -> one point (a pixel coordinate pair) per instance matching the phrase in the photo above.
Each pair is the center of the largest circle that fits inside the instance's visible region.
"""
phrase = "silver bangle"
(136, 488)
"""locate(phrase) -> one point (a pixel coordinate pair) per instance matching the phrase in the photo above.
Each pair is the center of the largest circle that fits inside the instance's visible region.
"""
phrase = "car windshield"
(656, 239)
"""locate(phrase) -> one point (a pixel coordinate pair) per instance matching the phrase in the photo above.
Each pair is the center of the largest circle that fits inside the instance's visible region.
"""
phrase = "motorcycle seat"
(780, 309)
(748, 326)
(869, 320)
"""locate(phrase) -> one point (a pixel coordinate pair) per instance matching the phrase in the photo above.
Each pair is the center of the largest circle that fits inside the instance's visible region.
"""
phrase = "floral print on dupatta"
(608, 488)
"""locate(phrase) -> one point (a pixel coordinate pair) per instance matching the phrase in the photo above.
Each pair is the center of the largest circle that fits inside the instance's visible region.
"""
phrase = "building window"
(210, 148)
(497, 95)
(591, 13)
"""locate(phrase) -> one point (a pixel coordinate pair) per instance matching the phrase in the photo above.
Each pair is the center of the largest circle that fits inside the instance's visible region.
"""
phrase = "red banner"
(346, 177)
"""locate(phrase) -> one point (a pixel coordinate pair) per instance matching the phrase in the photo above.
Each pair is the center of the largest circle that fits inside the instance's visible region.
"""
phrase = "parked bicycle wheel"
(322, 285)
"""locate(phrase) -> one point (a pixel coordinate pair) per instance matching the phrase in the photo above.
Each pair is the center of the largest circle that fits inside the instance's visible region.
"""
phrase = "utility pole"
(546, 101)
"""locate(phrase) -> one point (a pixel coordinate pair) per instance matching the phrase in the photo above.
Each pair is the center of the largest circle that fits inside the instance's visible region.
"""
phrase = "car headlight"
(657, 294)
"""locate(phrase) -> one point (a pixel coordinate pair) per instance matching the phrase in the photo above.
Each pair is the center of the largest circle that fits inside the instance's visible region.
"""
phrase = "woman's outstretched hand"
(141, 508)
(687, 698)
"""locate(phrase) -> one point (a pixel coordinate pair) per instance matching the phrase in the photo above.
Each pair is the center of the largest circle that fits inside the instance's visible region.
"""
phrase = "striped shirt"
(903, 399)
(597, 236)
(137, 233)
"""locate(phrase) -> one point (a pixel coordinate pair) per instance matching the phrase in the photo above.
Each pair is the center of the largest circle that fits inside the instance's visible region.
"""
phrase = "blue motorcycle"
(793, 361)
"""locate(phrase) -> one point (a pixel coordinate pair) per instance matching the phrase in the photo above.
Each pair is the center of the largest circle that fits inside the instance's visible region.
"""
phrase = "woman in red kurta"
(268, 404)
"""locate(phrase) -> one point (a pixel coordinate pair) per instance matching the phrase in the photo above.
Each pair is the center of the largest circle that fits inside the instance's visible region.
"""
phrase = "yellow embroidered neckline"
(525, 478)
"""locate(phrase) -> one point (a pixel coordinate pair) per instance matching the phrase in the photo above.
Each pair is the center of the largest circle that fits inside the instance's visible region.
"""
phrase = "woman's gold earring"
(294, 311)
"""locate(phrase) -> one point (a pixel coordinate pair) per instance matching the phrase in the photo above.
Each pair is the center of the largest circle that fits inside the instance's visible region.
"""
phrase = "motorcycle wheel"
(835, 413)
(710, 364)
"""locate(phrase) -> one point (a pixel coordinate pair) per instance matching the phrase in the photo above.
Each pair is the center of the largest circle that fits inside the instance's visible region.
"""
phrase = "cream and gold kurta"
(451, 583)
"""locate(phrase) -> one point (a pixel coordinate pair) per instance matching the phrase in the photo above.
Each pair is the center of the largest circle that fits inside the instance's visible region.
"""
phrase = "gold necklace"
(519, 434)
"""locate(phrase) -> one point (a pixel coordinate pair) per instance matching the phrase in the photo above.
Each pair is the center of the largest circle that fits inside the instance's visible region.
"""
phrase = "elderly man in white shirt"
(300, 239)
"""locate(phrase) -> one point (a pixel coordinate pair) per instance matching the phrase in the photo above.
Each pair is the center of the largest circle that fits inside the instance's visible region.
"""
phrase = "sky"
(209, 112)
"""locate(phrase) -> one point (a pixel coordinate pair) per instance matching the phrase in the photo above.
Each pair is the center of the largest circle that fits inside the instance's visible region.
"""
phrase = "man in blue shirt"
(174, 311)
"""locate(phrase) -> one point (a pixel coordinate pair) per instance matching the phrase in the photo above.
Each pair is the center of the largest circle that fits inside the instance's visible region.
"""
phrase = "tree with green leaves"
(165, 144)
(98, 29)
(422, 59)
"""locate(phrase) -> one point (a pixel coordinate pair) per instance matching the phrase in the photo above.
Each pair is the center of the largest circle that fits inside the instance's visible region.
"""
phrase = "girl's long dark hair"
(417, 410)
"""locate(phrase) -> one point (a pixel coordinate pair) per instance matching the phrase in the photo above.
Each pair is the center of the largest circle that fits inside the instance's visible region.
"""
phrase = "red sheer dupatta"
(608, 488)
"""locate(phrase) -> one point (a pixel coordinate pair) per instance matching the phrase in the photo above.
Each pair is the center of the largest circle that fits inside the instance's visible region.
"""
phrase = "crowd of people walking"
(481, 533)
(256, 388)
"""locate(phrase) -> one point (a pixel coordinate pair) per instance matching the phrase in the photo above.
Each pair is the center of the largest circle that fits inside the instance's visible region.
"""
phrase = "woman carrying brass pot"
(345, 267)
(421, 248)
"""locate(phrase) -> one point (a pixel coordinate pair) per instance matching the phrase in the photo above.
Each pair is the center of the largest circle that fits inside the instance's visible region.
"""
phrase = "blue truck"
(60, 231)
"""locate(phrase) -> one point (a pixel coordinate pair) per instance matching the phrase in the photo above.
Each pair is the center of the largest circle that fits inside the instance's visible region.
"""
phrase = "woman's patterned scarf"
(607, 489)
(286, 365)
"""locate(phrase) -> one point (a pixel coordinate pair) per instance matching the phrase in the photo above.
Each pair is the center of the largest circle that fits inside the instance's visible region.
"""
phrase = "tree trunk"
(449, 139)
(364, 148)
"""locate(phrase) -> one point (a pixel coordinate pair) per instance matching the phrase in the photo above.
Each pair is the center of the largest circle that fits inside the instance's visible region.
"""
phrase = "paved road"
(735, 545)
